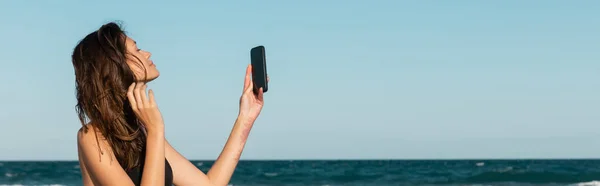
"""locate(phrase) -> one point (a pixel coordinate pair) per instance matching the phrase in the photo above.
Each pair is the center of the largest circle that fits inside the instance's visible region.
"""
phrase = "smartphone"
(259, 68)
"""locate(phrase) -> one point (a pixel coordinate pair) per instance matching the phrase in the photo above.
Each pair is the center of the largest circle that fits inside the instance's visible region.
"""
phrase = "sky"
(349, 79)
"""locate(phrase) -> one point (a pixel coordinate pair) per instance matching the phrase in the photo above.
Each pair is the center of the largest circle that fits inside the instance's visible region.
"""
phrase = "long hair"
(102, 77)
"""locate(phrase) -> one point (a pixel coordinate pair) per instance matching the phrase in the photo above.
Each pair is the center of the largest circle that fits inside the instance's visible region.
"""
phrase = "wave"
(531, 177)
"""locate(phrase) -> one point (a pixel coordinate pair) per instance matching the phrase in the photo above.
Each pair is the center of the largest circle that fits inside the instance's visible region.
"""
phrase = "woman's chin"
(152, 77)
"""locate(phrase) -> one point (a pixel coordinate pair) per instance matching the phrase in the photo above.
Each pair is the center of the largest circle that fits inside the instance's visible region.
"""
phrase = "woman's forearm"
(220, 173)
(154, 167)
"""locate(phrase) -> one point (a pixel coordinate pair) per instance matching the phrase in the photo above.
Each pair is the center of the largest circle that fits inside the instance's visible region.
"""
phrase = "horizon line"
(345, 159)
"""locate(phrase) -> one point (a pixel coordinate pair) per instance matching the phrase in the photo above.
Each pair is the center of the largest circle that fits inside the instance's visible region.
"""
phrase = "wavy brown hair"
(102, 77)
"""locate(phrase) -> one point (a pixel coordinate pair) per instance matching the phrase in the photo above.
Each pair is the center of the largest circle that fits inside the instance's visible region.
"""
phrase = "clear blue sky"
(349, 79)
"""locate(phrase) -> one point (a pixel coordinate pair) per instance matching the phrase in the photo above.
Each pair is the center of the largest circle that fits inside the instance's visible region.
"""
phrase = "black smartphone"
(259, 68)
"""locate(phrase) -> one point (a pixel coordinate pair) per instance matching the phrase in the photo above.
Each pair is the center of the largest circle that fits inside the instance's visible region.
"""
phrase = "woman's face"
(139, 61)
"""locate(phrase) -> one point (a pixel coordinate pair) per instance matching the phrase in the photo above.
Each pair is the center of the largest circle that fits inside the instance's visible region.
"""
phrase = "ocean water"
(351, 173)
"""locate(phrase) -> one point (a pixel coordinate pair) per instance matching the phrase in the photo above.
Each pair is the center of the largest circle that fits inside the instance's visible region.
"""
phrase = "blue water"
(352, 173)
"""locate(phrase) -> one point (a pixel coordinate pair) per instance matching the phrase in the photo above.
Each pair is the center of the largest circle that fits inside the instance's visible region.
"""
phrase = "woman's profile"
(122, 140)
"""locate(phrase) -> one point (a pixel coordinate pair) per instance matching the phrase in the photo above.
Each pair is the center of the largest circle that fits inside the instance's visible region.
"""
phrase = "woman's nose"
(148, 54)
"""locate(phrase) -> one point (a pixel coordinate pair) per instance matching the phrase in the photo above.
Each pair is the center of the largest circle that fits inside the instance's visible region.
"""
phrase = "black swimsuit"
(136, 174)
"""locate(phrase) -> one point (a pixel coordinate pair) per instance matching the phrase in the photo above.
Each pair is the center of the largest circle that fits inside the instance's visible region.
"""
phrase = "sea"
(350, 172)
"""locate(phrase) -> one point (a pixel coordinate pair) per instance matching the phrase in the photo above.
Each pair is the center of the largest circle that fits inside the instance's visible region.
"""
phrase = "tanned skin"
(99, 167)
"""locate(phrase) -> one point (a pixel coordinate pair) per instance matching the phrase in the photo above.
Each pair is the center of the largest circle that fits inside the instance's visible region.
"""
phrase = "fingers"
(131, 97)
(248, 78)
(248, 85)
(151, 98)
(260, 94)
(268, 78)
(143, 95)
(137, 92)
(250, 88)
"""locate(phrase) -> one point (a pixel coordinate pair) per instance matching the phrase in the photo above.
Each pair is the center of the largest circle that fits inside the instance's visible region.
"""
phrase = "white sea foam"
(591, 183)
(270, 174)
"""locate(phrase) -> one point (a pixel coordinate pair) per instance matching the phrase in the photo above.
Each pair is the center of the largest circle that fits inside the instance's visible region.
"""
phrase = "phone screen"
(259, 68)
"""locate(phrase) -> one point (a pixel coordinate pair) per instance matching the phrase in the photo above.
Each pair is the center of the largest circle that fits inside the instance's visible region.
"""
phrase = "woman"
(122, 141)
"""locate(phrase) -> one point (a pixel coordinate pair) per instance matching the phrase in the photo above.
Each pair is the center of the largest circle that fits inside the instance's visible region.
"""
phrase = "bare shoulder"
(97, 159)
(89, 136)
(85, 138)
(92, 145)
(84, 132)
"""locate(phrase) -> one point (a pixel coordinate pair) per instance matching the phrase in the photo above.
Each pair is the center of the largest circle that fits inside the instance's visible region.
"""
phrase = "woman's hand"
(250, 104)
(145, 107)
